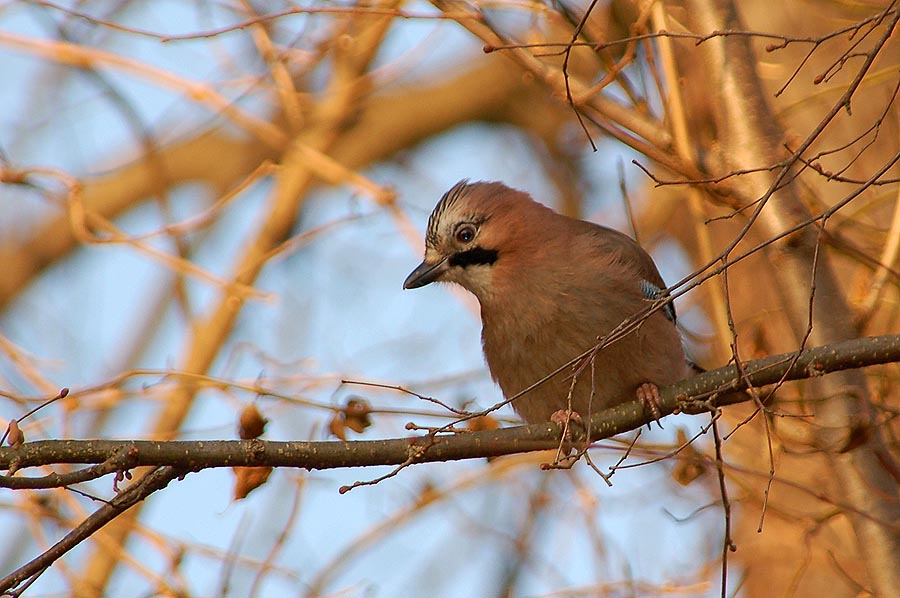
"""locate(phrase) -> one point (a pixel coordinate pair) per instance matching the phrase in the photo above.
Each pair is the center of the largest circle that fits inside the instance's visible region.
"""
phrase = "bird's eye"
(465, 233)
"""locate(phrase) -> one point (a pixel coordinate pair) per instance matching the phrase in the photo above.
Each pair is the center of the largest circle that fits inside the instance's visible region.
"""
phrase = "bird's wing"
(625, 250)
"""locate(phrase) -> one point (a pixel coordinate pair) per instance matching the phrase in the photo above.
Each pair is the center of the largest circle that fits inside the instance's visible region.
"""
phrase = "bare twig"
(727, 543)
(26, 574)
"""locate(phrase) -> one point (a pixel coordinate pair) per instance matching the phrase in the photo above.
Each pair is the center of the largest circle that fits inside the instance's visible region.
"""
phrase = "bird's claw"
(564, 419)
(564, 416)
(648, 394)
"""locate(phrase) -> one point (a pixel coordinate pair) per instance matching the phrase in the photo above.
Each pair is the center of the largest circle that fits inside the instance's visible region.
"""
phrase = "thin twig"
(28, 573)
(727, 543)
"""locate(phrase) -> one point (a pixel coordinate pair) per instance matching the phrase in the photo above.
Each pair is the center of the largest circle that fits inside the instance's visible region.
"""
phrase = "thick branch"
(201, 454)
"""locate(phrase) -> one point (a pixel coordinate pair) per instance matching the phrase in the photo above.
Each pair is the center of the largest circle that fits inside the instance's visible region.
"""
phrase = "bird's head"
(474, 229)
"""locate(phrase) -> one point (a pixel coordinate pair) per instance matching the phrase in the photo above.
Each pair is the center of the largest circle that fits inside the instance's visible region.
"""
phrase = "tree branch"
(28, 573)
(694, 395)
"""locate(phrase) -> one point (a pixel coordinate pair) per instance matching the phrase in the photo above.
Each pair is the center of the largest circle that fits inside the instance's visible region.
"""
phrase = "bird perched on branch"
(551, 288)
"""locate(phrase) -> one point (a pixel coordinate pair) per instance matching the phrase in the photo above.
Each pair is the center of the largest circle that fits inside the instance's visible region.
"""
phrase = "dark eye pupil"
(465, 234)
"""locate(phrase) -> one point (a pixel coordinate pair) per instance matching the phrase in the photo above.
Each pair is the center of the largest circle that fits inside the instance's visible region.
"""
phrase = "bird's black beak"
(426, 273)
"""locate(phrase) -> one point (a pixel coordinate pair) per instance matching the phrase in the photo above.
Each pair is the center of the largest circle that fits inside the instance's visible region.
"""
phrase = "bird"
(551, 289)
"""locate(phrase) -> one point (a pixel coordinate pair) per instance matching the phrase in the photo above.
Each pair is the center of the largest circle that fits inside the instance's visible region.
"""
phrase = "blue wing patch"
(653, 292)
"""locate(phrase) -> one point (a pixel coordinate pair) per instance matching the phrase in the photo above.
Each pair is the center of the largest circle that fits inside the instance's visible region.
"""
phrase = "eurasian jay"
(549, 287)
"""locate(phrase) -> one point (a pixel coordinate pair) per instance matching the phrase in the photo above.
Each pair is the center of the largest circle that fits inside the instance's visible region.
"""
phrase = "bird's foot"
(565, 459)
(648, 394)
(564, 419)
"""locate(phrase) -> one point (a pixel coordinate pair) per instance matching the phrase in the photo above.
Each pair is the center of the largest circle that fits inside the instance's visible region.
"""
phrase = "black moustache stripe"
(473, 257)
